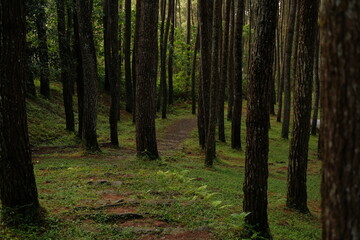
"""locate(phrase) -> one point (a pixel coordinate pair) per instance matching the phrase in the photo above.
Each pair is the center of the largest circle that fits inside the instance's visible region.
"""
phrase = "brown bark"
(193, 74)
(65, 55)
(298, 157)
(127, 53)
(18, 196)
(340, 75)
(238, 56)
(171, 54)
(230, 71)
(146, 72)
(257, 122)
(210, 147)
(205, 24)
(287, 69)
(224, 71)
(89, 65)
(317, 87)
(111, 20)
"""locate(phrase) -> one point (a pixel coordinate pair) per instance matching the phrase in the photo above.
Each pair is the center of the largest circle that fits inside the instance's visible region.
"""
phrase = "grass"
(177, 190)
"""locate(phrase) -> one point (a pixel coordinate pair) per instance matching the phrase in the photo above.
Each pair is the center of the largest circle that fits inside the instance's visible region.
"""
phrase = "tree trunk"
(79, 73)
(314, 125)
(188, 42)
(43, 49)
(65, 55)
(205, 24)
(171, 54)
(193, 74)
(18, 196)
(340, 73)
(146, 72)
(127, 53)
(224, 71)
(214, 84)
(238, 55)
(257, 122)
(111, 20)
(89, 65)
(162, 33)
(230, 71)
(287, 69)
(298, 157)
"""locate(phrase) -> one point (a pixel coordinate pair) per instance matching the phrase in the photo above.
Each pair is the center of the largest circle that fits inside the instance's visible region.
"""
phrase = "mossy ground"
(174, 195)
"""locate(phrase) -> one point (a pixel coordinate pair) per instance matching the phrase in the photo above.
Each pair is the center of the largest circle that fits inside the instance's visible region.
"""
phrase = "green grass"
(177, 190)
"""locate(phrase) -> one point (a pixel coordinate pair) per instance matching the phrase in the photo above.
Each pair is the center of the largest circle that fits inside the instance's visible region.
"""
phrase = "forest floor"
(115, 195)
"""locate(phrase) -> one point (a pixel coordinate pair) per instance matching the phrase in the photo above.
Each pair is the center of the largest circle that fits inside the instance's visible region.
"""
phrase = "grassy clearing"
(175, 194)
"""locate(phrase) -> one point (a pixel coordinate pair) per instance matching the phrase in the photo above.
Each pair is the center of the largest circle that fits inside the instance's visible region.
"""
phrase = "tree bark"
(188, 42)
(317, 87)
(146, 72)
(171, 54)
(238, 56)
(43, 49)
(205, 24)
(257, 122)
(127, 53)
(111, 22)
(210, 150)
(340, 73)
(230, 71)
(19, 197)
(89, 65)
(298, 157)
(193, 74)
(65, 56)
(224, 71)
(287, 69)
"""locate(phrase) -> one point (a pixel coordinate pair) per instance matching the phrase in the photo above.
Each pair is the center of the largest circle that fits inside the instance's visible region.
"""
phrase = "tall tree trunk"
(171, 53)
(210, 150)
(287, 69)
(162, 33)
(127, 53)
(230, 71)
(238, 56)
(65, 55)
(193, 74)
(146, 72)
(257, 122)
(205, 24)
(111, 22)
(106, 46)
(43, 49)
(340, 73)
(79, 73)
(298, 157)
(224, 71)
(18, 196)
(89, 65)
(314, 122)
(188, 42)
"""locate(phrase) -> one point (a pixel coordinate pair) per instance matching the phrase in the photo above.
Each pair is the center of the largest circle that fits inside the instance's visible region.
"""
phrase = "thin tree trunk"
(287, 69)
(171, 54)
(43, 49)
(65, 55)
(298, 157)
(224, 72)
(188, 42)
(257, 122)
(193, 74)
(19, 197)
(127, 53)
(314, 123)
(231, 63)
(238, 56)
(79, 73)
